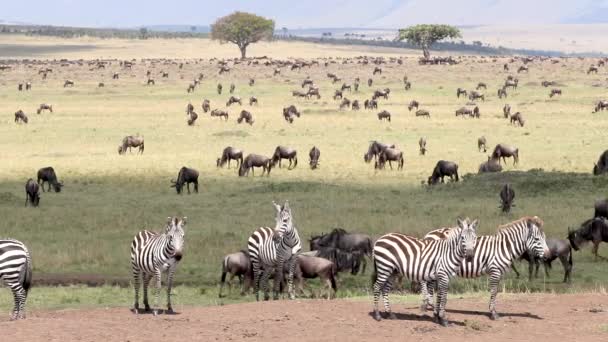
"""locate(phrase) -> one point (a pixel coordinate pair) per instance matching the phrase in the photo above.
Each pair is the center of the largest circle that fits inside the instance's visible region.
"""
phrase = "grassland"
(107, 198)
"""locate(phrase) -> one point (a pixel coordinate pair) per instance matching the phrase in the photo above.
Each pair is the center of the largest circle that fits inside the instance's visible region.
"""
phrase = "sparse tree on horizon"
(424, 36)
(143, 33)
(242, 29)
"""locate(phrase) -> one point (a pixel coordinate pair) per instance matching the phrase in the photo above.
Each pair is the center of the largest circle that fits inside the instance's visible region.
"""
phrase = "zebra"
(270, 249)
(494, 255)
(418, 260)
(16, 273)
(151, 254)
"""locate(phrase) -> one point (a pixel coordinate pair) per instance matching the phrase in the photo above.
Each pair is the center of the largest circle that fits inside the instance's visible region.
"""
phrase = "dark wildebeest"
(230, 153)
(290, 112)
(464, 111)
(307, 82)
(247, 116)
(131, 141)
(32, 193)
(115, 76)
(192, 118)
(276, 71)
(314, 155)
(502, 92)
(164, 74)
(186, 176)
(345, 87)
(20, 87)
(384, 115)
(69, 83)
(506, 111)
(507, 195)
(150, 82)
(377, 70)
(413, 104)
(523, 68)
(592, 69)
(253, 100)
(237, 265)
(255, 160)
(476, 113)
(422, 145)
(284, 152)
(370, 82)
(206, 106)
(601, 105)
(595, 230)
(481, 85)
(423, 112)
(374, 149)
(558, 249)
(189, 108)
(370, 104)
(505, 67)
(474, 95)
(602, 164)
(461, 91)
(337, 94)
(340, 239)
(481, 142)
(47, 174)
(442, 169)
(345, 103)
(310, 267)
(355, 105)
(219, 113)
(233, 99)
(232, 87)
(492, 165)
(44, 106)
(555, 92)
(511, 84)
(251, 82)
(408, 85)
(20, 116)
(190, 88)
(517, 119)
(505, 151)
(101, 85)
(601, 208)
(388, 155)
(548, 83)
(381, 93)
(313, 92)
(219, 88)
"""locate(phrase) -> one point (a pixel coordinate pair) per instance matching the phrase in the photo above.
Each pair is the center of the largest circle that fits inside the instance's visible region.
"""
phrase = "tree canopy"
(242, 29)
(424, 36)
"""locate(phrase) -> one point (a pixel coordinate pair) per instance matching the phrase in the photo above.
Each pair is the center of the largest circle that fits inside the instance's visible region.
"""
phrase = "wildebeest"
(506, 111)
(377, 70)
(32, 193)
(276, 71)
(601, 105)
(374, 149)
(481, 142)
(507, 195)
(388, 155)
(219, 88)
(548, 83)
(557, 249)
(443, 168)
(481, 85)
(255, 160)
(492, 165)
(219, 113)
(370, 104)
(476, 112)
(190, 88)
(20, 87)
(464, 111)
(115, 76)
(340, 239)
(307, 82)
(237, 265)
(101, 85)
(413, 104)
(423, 112)
(232, 87)
(345, 103)
(370, 82)
(592, 69)
(310, 267)
(150, 82)
(230, 153)
(601, 208)
(408, 85)
(594, 230)
(246, 116)
(381, 93)
(233, 99)
(461, 91)
(355, 105)
(284, 152)
(345, 87)
(251, 82)
(523, 68)
(518, 119)
(44, 106)
(422, 145)
(313, 92)
(131, 141)
(47, 174)
(337, 94)
(20, 116)
(474, 95)
(206, 106)
(555, 92)
(314, 156)
(601, 166)
(511, 84)
(505, 151)
(384, 115)
(69, 83)
(253, 100)
(290, 112)
(502, 92)
(192, 118)
(186, 176)
(189, 108)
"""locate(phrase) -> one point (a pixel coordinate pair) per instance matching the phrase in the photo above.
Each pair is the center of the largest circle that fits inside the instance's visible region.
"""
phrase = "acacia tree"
(424, 36)
(242, 29)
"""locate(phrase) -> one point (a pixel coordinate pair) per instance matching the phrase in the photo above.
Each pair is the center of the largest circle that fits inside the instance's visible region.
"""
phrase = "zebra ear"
(169, 219)
(460, 222)
(184, 221)
(286, 206)
(474, 224)
(277, 206)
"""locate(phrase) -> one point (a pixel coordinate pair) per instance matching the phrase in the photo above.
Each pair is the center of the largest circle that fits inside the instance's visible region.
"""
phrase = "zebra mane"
(534, 219)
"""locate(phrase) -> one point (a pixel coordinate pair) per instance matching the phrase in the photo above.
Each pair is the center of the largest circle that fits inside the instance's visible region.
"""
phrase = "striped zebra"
(270, 248)
(419, 260)
(151, 254)
(16, 273)
(494, 255)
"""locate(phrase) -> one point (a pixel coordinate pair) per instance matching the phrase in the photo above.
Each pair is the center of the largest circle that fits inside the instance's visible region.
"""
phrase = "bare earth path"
(580, 317)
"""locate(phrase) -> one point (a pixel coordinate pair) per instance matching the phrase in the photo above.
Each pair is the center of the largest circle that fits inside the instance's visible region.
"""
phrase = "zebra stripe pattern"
(420, 260)
(151, 254)
(269, 249)
(16, 273)
(494, 254)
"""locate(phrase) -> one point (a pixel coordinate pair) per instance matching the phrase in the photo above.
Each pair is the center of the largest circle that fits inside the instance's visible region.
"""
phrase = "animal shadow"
(415, 317)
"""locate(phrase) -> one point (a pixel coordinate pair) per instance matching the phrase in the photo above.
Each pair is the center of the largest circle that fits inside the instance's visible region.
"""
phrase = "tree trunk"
(243, 49)
(425, 52)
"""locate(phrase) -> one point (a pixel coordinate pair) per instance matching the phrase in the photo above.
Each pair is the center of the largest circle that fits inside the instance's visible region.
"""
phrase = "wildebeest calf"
(237, 265)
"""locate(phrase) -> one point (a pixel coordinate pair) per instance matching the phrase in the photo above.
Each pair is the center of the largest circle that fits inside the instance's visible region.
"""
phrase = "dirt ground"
(581, 317)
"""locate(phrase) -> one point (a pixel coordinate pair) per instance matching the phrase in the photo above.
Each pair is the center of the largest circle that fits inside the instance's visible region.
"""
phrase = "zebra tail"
(25, 278)
(375, 271)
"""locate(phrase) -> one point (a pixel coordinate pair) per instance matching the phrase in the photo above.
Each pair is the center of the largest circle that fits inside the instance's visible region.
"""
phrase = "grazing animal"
(476, 112)
(474, 95)
(507, 195)
(381, 93)
(345, 103)
(594, 230)
(189, 108)
(32, 193)
(517, 119)
(307, 82)
(461, 91)
(421, 260)
(548, 83)
(232, 88)
(557, 249)
(345, 87)
(20, 87)
(443, 168)
(506, 111)
(20, 116)
(47, 174)
(233, 99)
(502, 92)
(493, 254)
(355, 105)
(271, 248)
(206, 106)
(511, 84)
(384, 115)
(255, 160)
(370, 82)
(601, 208)
(290, 112)
(101, 85)
(377, 70)
(310, 267)
(555, 92)
(219, 88)
(313, 92)
(388, 155)
(422, 145)
(505, 151)
(492, 165)
(132, 141)
(192, 118)
(190, 88)
(276, 72)
(314, 156)
(251, 82)
(43, 107)
(185, 176)
(230, 153)
(151, 254)
(481, 85)
(374, 149)
(523, 68)
(370, 104)
(115, 76)
(150, 82)
(481, 142)
(601, 105)
(602, 164)
(237, 265)
(337, 94)
(413, 104)
(246, 116)
(253, 100)
(283, 152)
(68, 83)
(464, 111)
(339, 243)
(16, 273)
(592, 69)
(219, 113)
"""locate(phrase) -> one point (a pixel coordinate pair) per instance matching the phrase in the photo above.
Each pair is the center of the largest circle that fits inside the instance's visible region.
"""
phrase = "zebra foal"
(419, 260)
(269, 249)
(16, 273)
(153, 253)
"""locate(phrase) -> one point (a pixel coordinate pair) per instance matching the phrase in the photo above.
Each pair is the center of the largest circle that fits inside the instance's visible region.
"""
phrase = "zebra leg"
(264, 280)
(147, 278)
(22, 296)
(494, 277)
(442, 299)
(157, 281)
(386, 289)
(19, 299)
(427, 290)
(278, 279)
(256, 280)
(136, 279)
(378, 285)
(170, 288)
(292, 268)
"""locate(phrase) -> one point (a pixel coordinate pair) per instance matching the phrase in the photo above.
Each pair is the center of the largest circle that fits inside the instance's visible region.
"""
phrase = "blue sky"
(304, 13)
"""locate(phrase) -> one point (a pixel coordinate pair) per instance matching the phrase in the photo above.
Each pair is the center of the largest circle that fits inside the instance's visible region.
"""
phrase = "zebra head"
(468, 237)
(284, 229)
(535, 243)
(175, 235)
